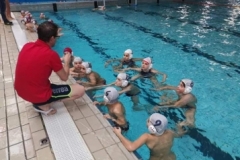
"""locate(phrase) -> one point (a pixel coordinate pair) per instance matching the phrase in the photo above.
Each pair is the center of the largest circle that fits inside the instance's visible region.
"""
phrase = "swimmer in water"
(130, 90)
(159, 140)
(186, 100)
(75, 71)
(127, 61)
(116, 110)
(146, 71)
(93, 78)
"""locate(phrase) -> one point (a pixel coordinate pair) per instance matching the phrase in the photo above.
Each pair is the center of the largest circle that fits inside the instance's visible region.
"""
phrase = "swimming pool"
(185, 41)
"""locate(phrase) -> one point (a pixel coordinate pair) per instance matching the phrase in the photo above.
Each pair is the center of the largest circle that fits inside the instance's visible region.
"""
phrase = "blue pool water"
(185, 41)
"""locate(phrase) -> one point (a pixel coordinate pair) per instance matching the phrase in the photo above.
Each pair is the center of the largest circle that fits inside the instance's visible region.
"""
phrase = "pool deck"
(21, 128)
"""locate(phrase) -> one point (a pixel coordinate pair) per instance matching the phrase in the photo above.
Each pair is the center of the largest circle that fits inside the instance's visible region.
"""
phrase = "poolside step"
(66, 141)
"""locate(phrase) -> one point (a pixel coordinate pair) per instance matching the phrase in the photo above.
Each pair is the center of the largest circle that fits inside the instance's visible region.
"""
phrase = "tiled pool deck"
(21, 128)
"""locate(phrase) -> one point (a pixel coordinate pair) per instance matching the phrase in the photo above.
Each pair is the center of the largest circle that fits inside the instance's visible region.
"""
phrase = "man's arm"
(131, 146)
(64, 72)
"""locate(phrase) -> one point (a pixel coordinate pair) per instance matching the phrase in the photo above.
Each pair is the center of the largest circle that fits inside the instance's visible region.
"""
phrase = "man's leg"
(3, 10)
(45, 108)
(76, 92)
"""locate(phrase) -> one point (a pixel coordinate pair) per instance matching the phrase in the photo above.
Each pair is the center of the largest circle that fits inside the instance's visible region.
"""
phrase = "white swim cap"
(110, 95)
(87, 66)
(124, 78)
(77, 59)
(188, 85)
(149, 61)
(50, 20)
(158, 124)
(129, 52)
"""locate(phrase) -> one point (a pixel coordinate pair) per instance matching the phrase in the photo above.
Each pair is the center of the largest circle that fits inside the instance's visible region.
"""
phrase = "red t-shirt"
(36, 61)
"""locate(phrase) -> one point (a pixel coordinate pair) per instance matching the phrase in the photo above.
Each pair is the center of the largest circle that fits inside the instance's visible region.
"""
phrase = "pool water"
(199, 42)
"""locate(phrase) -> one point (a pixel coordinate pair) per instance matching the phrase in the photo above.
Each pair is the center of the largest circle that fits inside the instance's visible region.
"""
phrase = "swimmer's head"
(147, 63)
(68, 50)
(50, 20)
(34, 21)
(22, 12)
(157, 124)
(128, 54)
(188, 85)
(42, 15)
(122, 80)
(86, 67)
(110, 95)
(77, 61)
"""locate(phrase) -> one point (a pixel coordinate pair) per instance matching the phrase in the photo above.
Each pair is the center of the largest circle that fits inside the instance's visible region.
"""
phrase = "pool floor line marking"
(184, 47)
(228, 31)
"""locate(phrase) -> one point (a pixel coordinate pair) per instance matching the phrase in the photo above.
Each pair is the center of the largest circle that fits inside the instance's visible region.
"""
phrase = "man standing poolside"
(36, 61)
(3, 9)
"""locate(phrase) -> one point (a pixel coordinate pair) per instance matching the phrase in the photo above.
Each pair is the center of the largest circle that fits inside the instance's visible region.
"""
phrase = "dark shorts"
(58, 92)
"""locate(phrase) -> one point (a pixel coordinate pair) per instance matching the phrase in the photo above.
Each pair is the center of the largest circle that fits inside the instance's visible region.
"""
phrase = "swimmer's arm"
(165, 88)
(88, 83)
(124, 90)
(110, 60)
(177, 104)
(137, 59)
(75, 74)
(92, 81)
(179, 131)
(161, 73)
(132, 146)
(98, 87)
(134, 69)
(127, 69)
(99, 103)
(167, 103)
(120, 117)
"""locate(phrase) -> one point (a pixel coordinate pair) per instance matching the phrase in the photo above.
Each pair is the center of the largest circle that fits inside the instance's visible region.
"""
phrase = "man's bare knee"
(77, 91)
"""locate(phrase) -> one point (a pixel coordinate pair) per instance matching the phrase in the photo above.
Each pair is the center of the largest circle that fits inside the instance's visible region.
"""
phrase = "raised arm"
(64, 72)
